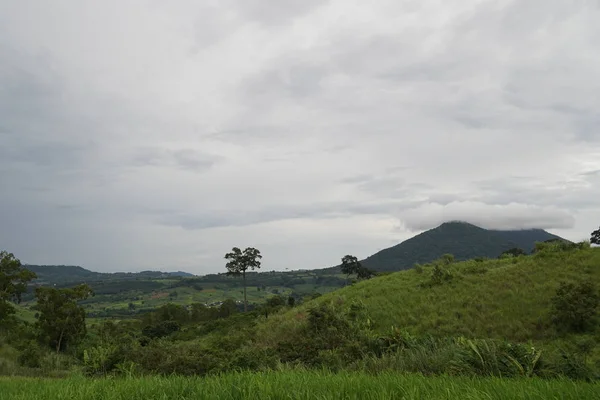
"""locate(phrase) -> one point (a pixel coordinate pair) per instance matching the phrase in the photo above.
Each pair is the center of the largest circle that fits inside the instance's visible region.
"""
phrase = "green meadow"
(296, 385)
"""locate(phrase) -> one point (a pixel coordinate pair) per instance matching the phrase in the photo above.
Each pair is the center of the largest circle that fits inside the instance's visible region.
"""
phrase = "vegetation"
(239, 262)
(351, 265)
(140, 293)
(595, 239)
(61, 320)
(514, 252)
(574, 307)
(13, 283)
(298, 385)
(508, 298)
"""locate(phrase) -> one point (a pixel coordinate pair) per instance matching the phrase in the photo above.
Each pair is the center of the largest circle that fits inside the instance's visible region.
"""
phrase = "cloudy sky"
(157, 135)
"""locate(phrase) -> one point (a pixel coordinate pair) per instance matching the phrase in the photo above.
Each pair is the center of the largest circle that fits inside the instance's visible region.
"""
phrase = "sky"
(140, 135)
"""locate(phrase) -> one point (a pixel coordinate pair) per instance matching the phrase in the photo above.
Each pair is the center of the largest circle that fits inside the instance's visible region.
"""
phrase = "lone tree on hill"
(351, 265)
(239, 262)
(595, 237)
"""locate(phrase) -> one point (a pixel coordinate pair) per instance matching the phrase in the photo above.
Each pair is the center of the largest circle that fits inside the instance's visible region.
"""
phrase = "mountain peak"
(462, 239)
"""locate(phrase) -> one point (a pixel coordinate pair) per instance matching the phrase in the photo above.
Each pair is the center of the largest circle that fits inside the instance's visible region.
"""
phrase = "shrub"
(440, 275)
(574, 306)
(495, 358)
(31, 356)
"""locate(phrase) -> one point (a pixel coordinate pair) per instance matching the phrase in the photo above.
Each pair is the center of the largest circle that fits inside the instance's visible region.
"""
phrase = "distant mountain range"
(463, 240)
(65, 274)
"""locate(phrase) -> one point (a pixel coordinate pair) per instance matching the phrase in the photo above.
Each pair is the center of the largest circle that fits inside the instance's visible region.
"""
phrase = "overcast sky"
(157, 135)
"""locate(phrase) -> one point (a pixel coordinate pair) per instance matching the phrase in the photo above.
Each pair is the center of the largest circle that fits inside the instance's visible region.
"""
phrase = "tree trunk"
(59, 341)
(245, 300)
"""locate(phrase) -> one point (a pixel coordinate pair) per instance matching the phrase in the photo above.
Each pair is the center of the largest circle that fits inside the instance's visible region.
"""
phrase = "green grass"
(510, 300)
(24, 313)
(295, 385)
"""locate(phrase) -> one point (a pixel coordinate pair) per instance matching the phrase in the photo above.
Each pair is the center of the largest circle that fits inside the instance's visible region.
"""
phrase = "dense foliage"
(595, 239)
(13, 283)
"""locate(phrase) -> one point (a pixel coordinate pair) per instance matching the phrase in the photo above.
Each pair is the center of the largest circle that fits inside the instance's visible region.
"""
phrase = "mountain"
(58, 274)
(463, 240)
(70, 274)
(182, 274)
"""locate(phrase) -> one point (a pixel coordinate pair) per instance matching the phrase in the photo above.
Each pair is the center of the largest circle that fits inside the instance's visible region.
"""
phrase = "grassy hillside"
(463, 240)
(505, 299)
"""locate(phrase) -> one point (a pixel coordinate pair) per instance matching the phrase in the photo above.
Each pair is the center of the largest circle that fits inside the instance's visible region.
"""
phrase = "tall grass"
(295, 385)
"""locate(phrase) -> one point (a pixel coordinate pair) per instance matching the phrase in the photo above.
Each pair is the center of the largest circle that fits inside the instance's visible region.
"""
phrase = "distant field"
(296, 385)
(125, 298)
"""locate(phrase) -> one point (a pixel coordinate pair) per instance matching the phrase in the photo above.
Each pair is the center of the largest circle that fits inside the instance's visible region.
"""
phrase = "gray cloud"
(218, 218)
(273, 13)
(187, 159)
(313, 128)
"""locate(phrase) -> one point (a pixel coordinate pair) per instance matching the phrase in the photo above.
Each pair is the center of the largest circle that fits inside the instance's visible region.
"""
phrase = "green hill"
(505, 298)
(465, 241)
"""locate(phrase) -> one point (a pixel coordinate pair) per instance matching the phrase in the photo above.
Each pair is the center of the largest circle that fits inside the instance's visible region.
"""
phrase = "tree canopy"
(351, 265)
(61, 320)
(13, 282)
(239, 262)
(595, 239)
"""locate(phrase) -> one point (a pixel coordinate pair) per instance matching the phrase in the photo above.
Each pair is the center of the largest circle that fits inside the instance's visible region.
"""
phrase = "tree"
(364, 273)
(13, 282)
(227, 308)
(239, 262)
(161, 329)
(351, 265)
(291, 301)
(595, 237)
(61, 320)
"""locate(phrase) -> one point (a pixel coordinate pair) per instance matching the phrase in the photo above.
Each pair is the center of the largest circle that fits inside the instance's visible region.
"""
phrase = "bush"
(574, 306)
(439, 275)
(31, 356)
(495, 358)
(162, 329)
(558, 245)
(335, 334)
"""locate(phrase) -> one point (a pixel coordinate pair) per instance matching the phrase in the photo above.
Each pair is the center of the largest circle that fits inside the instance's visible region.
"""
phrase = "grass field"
(502, 299)
(295, 385)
